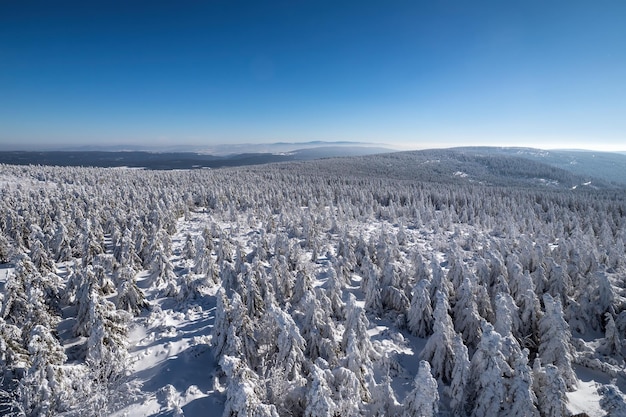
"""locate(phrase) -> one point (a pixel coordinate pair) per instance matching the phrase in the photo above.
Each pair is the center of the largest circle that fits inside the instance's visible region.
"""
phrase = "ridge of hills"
(562, 169)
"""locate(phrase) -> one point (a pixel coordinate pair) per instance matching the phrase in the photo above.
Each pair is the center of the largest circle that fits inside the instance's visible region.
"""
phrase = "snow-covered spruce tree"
(346, 392)
(507, 315)
(107, 354)
(189, 249)
(528, 307)
(559, 282)
(13, 355)
(555, 341)
(15, 304)
(335, 293)
(384, 401)
(457, 390)
(319, 400)
(255, 280)
(130, 298)
(244, 328)
(466, 317)
(423, 400)
(357, 321)
(438, 282)
(102, 278)
(41, 258)
(6, 251)
(612, 400)
(488, 370)
(244, 392)
(316, 329)
(612, 344)
(521, 399)
(602, 300)
(438, 350)
(282, 279)
(550, 390)
(44, 390)
(456, 272)
(370, 284)
(303, 285)
(221, 325)
(420, 316)
(87, 287)
(91, 242)
(283, 362)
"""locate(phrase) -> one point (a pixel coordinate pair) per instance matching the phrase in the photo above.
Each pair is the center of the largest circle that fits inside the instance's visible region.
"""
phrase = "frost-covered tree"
(319, 400)
(559, 282)
(460, 377)
(130, 298)
(189, 249)
(423, 400)
(5, 249)
(370, 284)
(317, 330)
(243, 393)
(346, 393)
(466, 317)
(550, 389)
(107, 354)
(335, 294)
(612, 344)
(555, 341)
(13, 352)
(245, 346)
(528, 308)
(438, 282)
(43, 389)
(507, 315)
(384, 401)
(303, 285)
(612, 400)
(521, 399)
(420, 316)
(438, 350)
(487, 373)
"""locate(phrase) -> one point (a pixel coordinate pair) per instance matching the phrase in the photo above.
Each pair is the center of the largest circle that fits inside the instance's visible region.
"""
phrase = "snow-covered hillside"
(296, 290)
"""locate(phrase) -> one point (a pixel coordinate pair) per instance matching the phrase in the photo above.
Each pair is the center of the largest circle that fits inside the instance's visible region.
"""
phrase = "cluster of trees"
(501, 282)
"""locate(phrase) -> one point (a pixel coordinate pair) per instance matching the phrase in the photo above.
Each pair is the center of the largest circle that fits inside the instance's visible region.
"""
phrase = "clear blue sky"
(409, 73)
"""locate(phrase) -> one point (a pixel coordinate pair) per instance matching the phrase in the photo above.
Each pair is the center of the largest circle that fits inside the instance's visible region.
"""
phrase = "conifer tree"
(460, 378)
(423, 400)
(550, 389)
(555, 346)
(420, 316)
(438, 350)
(487, 373)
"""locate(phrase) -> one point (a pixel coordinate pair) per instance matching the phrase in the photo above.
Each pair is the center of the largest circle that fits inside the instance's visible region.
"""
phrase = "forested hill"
(461, 167)
(608, 166)
(177, 160)
(485, 166)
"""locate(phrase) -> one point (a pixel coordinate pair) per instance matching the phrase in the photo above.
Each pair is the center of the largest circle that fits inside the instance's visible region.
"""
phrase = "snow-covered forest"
(322, 288)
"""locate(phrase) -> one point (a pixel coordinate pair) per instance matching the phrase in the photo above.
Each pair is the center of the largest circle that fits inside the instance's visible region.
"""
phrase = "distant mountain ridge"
(178, 160)
(484, 165)
(224, 149)
(464, 165)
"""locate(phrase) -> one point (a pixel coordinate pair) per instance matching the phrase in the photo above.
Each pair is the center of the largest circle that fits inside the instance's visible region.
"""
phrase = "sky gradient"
(411, 74)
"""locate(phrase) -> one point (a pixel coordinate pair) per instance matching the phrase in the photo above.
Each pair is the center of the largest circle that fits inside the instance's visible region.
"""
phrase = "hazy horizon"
(414, 75)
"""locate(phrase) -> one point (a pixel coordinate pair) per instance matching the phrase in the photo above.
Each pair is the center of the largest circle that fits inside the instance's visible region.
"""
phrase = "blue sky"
(406, 73)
